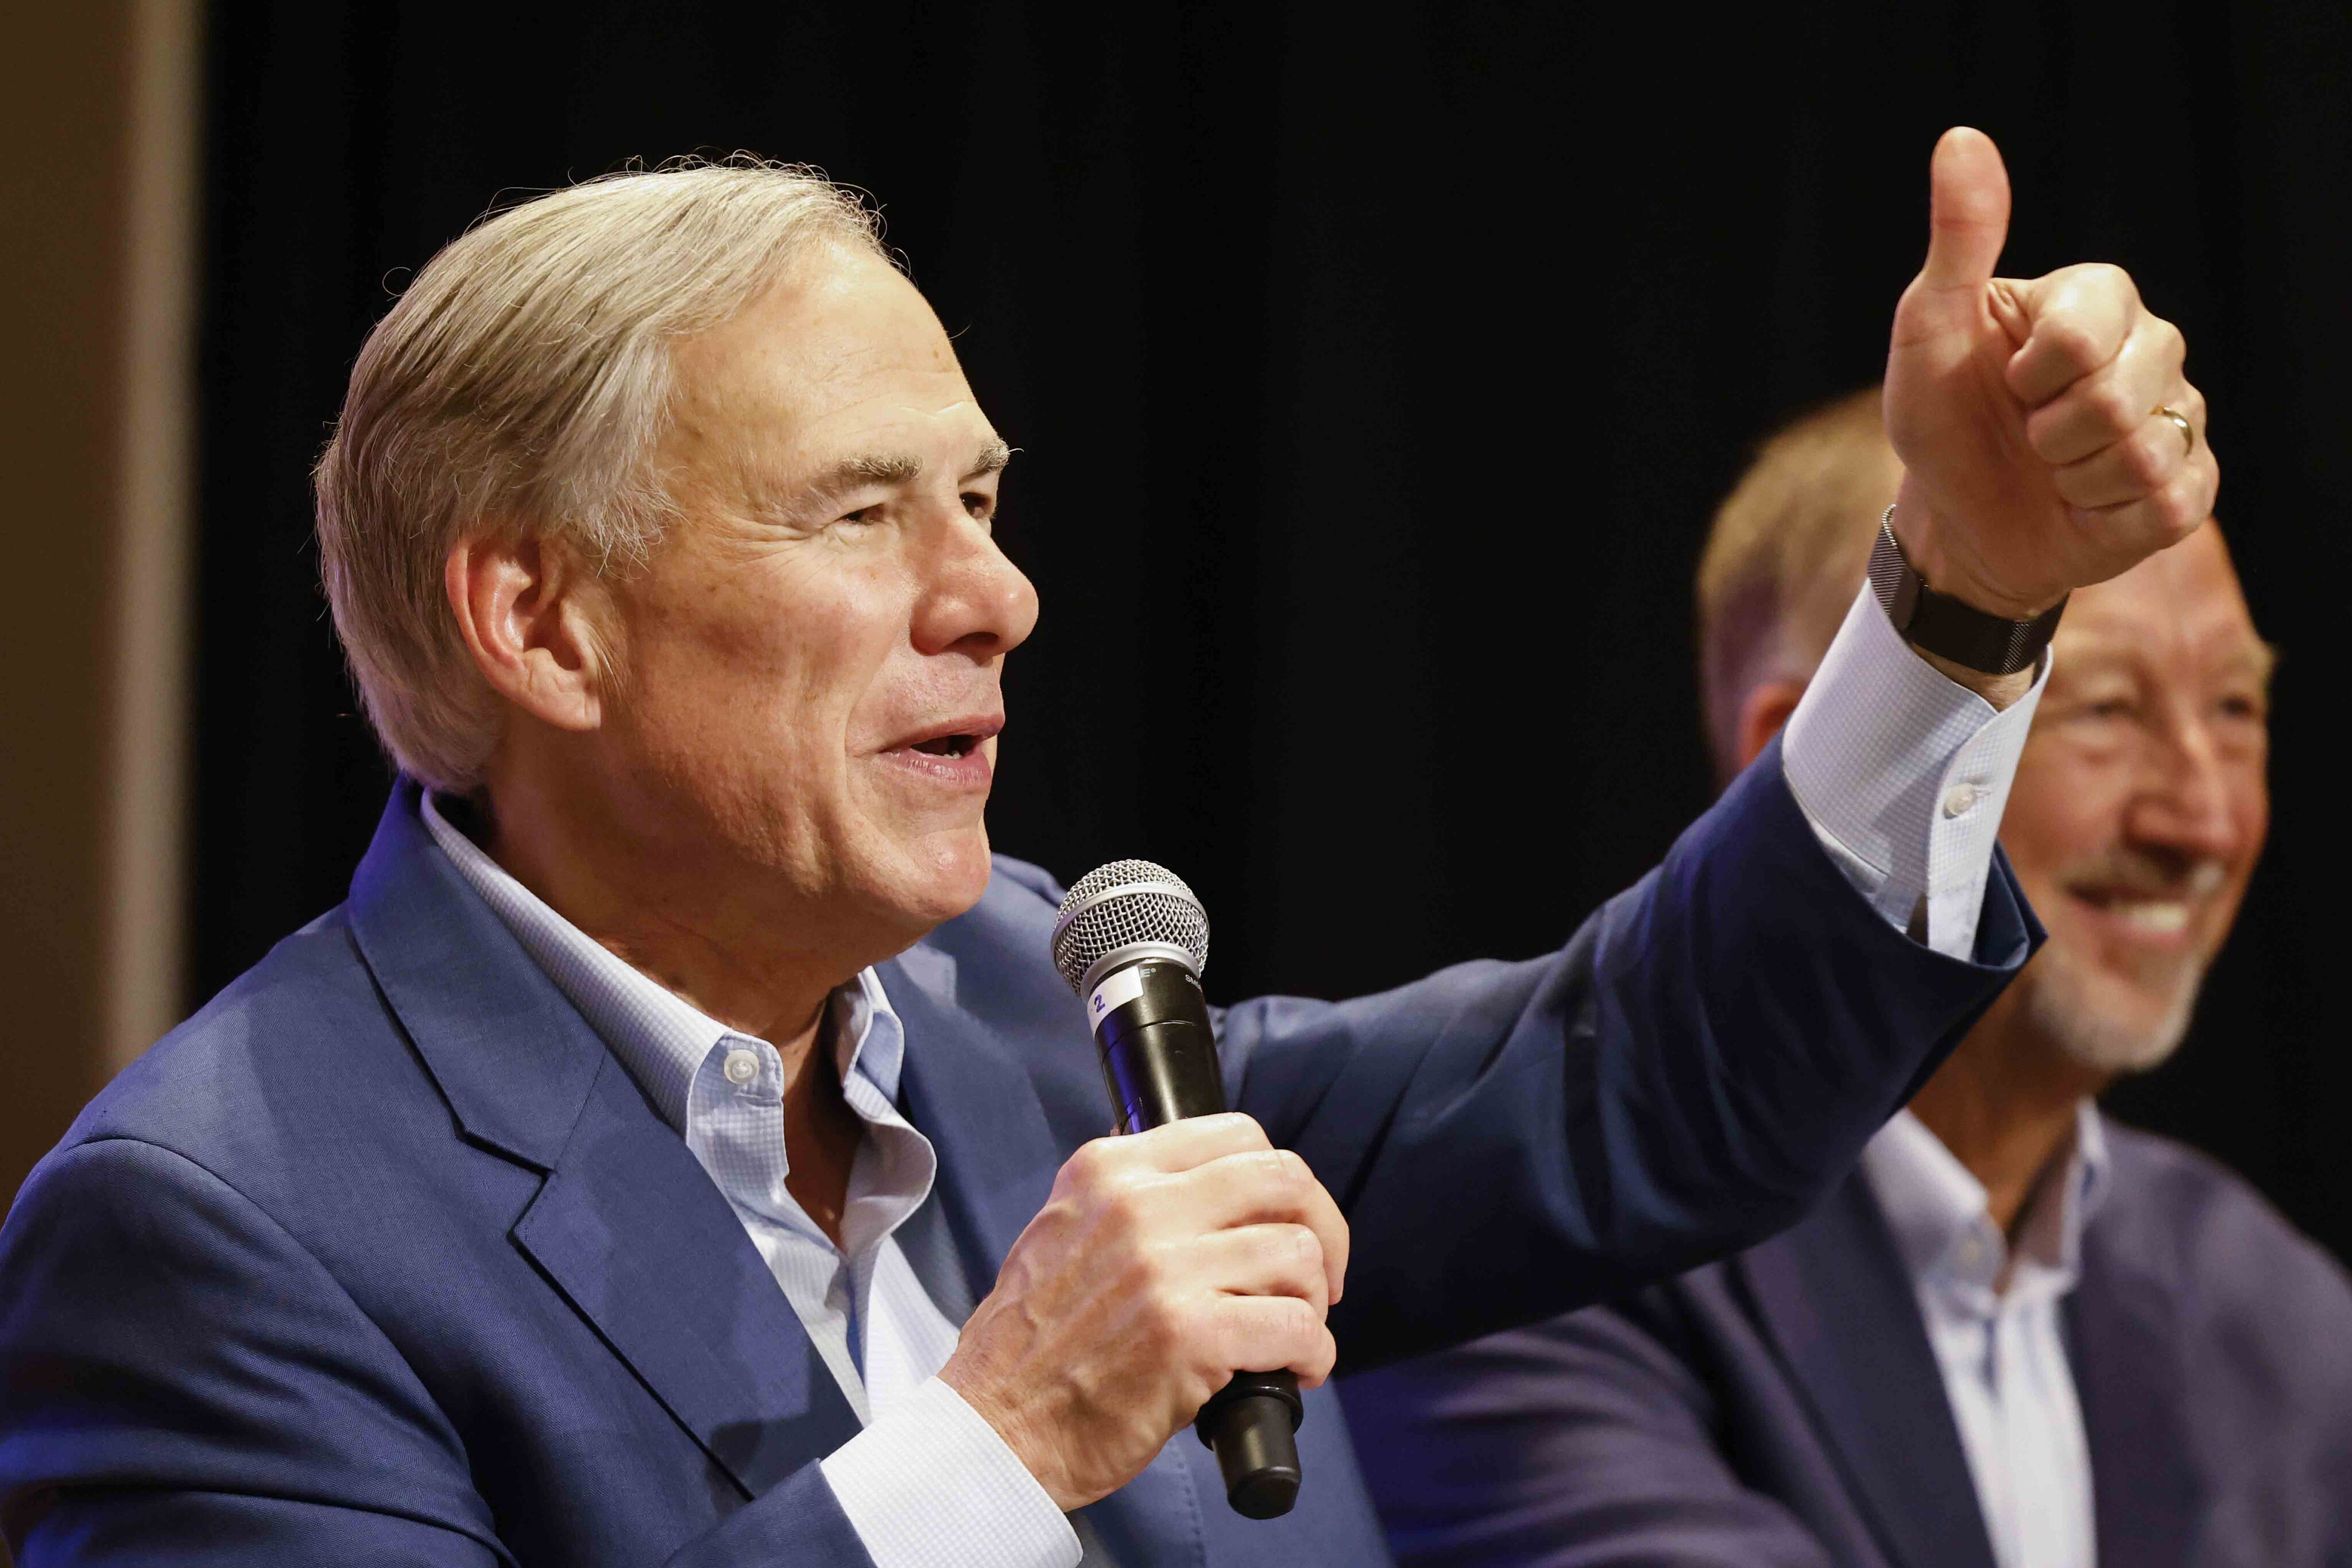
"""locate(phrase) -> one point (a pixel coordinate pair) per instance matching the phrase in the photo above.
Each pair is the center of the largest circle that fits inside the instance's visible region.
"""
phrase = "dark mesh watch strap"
(1944, 625)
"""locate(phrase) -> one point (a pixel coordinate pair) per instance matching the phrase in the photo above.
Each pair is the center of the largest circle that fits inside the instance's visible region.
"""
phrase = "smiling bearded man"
(2018, 1336)
(680, 1148)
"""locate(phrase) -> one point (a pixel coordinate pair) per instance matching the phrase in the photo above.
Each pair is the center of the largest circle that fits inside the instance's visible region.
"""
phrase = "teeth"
(2168, 917)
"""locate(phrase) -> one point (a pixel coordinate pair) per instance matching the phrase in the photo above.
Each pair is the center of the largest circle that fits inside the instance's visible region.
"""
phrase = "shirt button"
(741, 1066)
(1960, 800)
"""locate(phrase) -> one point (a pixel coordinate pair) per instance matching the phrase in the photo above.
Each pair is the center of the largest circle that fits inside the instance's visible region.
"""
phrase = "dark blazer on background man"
(383, 1258)
(1784, 1407)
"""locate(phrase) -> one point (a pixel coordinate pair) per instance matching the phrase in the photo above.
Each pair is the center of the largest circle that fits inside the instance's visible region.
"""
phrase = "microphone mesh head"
(1124, 905)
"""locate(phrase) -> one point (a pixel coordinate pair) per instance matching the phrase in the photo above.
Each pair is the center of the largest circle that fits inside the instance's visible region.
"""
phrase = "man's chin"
(2106, 1023)
(943, 876)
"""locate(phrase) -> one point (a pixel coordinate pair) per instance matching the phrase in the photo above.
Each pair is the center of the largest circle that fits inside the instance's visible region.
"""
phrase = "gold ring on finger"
(2180, 423)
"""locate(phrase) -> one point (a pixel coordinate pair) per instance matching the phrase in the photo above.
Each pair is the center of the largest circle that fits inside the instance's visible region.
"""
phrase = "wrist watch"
(1944, 625)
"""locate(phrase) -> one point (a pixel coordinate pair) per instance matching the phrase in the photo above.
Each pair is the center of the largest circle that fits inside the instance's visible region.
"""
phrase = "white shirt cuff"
(1904, 775)
(930, 1485)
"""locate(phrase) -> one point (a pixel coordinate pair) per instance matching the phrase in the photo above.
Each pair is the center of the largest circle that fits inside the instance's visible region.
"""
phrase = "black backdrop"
(1376, 371)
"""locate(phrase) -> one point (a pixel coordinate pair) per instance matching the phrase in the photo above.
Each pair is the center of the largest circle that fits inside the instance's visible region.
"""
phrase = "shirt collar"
(661, 1038)
(1940, 1213)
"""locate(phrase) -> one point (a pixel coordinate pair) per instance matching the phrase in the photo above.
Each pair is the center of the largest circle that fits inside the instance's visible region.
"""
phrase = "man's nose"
(2186, 804)
(978, 601)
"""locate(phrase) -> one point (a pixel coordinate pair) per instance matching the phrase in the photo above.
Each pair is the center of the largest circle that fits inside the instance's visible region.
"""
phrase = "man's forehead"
(831, 331)
(2185, 601)
(829, 382)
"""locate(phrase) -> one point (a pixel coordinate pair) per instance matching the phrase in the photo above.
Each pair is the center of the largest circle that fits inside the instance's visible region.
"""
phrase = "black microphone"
(1132, 941)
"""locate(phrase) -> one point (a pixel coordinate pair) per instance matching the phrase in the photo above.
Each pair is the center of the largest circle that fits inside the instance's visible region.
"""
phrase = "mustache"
(2147, 873)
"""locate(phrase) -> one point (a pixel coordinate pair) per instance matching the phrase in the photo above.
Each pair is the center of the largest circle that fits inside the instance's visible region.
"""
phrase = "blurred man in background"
(2018, 1335)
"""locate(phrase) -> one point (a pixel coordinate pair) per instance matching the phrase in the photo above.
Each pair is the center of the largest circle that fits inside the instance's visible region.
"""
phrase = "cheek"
(2060, 811)
(769, 659)
(2250, 805)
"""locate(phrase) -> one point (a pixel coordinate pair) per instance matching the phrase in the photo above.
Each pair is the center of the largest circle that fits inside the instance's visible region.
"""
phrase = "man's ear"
(532, 616)
(1763, 712)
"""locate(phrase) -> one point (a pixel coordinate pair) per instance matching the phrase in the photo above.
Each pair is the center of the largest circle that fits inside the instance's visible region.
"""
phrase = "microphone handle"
(1159, 1060)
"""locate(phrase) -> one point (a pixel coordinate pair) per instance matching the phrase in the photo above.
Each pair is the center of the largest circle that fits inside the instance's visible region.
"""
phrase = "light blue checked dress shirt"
(1904, 775)
(927, 1483)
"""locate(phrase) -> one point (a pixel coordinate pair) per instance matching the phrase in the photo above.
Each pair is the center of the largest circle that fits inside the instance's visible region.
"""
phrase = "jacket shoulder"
(310, 986)
(295, 1067)
(2238, 1265)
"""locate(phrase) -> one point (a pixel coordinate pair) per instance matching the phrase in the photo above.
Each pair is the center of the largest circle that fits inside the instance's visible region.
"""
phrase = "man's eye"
(980, 506)
(2244, 708)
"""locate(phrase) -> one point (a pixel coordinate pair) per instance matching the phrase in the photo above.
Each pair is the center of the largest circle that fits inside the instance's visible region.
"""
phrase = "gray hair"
(521, 383)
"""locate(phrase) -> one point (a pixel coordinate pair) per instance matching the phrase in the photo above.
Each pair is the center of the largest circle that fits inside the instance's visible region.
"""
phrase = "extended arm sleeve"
(1584, 1443)
(1693, 1072)
(1904, 775)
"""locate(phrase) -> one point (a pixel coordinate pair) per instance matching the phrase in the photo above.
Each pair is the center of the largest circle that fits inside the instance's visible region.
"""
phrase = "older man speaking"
(679, 1149)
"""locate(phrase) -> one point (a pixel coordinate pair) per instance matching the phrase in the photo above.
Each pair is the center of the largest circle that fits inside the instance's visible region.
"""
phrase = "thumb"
(1968, 210)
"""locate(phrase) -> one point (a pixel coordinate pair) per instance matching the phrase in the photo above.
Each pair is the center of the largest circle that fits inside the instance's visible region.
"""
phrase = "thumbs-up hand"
(2026, 413)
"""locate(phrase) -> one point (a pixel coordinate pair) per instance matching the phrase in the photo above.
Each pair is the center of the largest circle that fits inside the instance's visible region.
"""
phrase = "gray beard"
(2062, 1000)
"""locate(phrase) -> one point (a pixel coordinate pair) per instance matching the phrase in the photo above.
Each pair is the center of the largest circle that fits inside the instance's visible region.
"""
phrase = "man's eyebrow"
(870, 468)
(850, 474)
(894, 469)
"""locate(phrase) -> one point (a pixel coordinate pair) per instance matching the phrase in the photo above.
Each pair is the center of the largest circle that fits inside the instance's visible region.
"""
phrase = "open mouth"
(2138, 913)
(955, 754)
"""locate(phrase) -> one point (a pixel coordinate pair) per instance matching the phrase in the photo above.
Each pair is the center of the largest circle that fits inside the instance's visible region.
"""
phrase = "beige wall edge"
(145, 947)
(98, 265)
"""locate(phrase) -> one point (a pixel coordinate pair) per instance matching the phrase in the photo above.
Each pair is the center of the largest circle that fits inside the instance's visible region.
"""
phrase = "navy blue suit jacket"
(1783, 1408)
(383, 1257)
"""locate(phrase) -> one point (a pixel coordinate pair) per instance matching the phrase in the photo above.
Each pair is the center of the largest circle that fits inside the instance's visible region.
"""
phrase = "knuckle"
(1246, 1127)
(2070, 342)
(2186, 502)
(2107, 275)
(2115, 409)
(2151, 456)
(1093, 1161)
(1307, 1247)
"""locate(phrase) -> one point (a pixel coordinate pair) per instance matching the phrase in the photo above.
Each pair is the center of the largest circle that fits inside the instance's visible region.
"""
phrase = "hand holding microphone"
(1165, 1261)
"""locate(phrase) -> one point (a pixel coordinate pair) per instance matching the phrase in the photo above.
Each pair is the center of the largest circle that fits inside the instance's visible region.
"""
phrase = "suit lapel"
(2123, 1347)
(632, 1231)
(627, 1225)
(1832, 1295)
(967, 1092)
